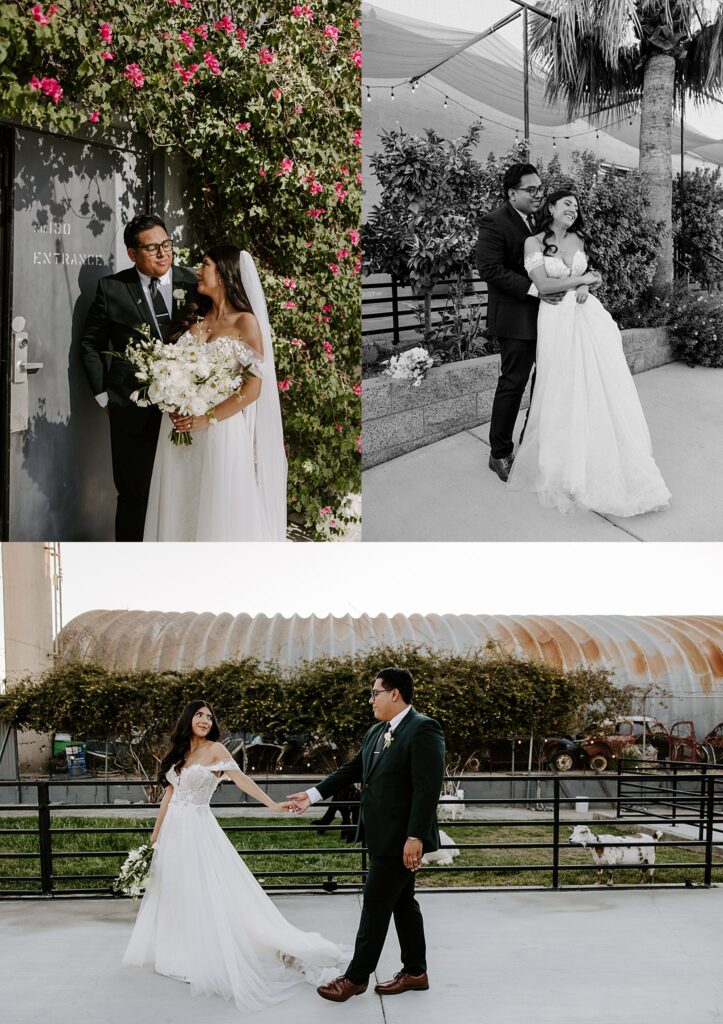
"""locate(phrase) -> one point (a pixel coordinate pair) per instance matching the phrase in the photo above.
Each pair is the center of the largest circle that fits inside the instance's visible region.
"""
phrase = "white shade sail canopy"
(488, 76)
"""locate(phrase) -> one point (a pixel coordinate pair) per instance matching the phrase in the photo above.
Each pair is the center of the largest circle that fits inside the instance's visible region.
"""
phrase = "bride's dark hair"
(544, 224)
(177, 753)
(226, 259)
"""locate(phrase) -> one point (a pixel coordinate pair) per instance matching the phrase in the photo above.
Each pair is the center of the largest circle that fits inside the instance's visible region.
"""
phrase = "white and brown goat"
(607, 852)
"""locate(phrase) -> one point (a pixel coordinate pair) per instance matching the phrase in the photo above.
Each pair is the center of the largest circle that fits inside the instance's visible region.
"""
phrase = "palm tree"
(616, 55)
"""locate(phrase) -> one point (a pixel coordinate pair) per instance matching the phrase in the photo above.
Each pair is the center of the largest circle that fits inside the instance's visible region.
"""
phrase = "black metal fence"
(687, 805)
(388, 306)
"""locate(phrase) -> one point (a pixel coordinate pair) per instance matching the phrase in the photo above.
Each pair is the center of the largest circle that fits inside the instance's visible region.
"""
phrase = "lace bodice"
(197, 783)
(238, 351)
(555, 266)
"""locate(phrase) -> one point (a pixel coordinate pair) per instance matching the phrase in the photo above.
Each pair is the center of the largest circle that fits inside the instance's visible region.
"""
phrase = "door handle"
(21, 366)
(30, 367)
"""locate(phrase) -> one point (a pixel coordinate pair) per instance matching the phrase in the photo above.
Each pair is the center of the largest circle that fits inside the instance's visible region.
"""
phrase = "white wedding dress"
(205, 919)
(586, 444)
(208, 490)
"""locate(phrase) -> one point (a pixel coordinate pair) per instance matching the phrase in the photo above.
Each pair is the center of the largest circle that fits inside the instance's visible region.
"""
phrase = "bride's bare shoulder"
(248, 330)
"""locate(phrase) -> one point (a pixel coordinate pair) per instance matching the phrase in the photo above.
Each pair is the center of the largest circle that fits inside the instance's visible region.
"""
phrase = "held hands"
(412, 855)
(298, 803)
(582, 293)
(287, 806)
(592, 279)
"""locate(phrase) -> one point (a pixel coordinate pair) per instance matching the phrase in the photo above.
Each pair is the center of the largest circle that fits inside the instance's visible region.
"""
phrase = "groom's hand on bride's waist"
(553, 298)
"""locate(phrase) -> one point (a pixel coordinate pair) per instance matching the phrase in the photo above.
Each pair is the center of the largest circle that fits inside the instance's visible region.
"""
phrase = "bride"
(586, 444)
(230, 483)
(204, 918)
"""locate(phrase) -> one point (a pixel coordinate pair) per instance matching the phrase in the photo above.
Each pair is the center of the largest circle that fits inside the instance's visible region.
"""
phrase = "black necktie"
(159, 307)
(380, 739)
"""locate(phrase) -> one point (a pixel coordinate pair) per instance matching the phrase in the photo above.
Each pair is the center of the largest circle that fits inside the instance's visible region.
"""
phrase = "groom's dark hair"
(398, 679)
(143, 222)
(514, 175)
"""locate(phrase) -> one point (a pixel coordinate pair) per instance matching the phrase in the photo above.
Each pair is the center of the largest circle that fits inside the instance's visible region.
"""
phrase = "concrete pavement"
(446, 492)
(601, 956)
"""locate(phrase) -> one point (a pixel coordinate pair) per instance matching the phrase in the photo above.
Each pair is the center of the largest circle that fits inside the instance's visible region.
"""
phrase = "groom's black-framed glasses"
(532, 190)
(156, 248)
(375, 693)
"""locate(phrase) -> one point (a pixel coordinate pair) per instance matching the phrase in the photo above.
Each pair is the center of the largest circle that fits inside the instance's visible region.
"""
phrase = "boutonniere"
(388, 739)
(179, 294)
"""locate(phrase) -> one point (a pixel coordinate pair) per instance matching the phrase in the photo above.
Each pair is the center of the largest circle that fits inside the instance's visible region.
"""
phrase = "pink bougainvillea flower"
(355, 23)
(212, 63)
(186, 4)
(225, 24)
(327, 308)
(187, 74)
(107, 55)
(334, 268)
(341, 254)
(356, 56)
(308, 244)
(187, 40)
(241, 37)
(340, 191)
(357, 267)
(39, 15)
(289, 304)
(357, 389)
(173, 3)
(331, 32)
(302, 11)
(358, 444)
(329, 351)
(277, 94)
(94, 117)
(290, 282)
(344, 171)
(357, 138)
(262, 172)
(135, 76)
(50, 86)
(34, 83)
(325, 511)
(266, 56)
(315, 188)
(106, 32)
(298, 109)
(286, 166)
(339, 427)
(358, 179)
(201, 30)
(243, 126)
(315, 213)
(284, 385)
(298, 343)
(354, 236)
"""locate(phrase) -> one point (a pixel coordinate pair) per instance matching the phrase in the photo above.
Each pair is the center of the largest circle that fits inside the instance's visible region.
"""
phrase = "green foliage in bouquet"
(261, 102)
(482, 695)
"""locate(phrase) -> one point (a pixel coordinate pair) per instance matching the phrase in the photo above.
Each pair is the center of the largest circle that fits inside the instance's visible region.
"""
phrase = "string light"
(369, 95)
(392, 92)
(445, 102)
(554, 143)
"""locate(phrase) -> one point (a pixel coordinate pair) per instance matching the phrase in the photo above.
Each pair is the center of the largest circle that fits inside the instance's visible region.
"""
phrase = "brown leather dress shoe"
(403, 982)
(340, 989)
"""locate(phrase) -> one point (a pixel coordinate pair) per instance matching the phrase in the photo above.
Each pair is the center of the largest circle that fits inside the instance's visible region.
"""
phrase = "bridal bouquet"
(189, 377)
(410, 365)
(133, 876)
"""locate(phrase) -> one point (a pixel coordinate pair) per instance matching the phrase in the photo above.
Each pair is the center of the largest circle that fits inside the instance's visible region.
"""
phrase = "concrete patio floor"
(446, 492)
(601, 956)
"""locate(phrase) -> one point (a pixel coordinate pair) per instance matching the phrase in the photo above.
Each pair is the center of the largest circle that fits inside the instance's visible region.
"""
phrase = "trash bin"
(76, 759)
(582, 804)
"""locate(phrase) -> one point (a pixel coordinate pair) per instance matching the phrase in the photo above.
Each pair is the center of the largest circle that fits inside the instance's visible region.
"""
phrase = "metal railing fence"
(674, 797)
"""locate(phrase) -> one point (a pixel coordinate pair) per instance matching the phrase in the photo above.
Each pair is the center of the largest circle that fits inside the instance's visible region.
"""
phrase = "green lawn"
(512, 867)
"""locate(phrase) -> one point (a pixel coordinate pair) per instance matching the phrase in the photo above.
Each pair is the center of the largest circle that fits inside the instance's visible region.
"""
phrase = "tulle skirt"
(205, 919)
(586, 444)
(206, 490)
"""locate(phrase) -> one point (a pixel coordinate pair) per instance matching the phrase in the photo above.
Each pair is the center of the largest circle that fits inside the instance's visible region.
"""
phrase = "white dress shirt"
(165, 287)
(315, 796)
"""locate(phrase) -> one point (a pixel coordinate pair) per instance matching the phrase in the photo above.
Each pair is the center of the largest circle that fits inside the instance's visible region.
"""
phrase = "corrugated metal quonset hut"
(681, 654)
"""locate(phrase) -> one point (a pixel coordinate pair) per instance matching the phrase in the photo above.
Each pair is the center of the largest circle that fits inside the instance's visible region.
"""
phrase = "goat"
(445, 854)
(608, 851)
(453, 807)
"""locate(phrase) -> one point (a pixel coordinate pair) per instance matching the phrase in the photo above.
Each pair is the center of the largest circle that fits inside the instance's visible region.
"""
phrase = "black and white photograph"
(543, 238)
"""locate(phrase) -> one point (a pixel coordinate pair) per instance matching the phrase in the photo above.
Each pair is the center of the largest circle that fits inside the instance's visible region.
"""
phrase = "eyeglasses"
(156, 247)
(532, 190)
(375, 693)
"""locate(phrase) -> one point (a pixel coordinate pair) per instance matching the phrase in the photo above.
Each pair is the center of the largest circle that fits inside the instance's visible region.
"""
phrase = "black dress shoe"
(502, 466)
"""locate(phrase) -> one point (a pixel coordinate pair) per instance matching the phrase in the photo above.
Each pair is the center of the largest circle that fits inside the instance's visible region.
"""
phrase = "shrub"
(476, 696)
(700, 230)
(262, 106)
(697, 328)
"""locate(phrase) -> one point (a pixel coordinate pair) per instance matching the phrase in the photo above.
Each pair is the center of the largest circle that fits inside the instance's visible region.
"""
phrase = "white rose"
(179, 294)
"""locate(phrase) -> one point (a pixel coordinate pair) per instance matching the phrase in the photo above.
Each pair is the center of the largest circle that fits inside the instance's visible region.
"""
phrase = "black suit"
(119, 311)
(401, 788)
(511, 316)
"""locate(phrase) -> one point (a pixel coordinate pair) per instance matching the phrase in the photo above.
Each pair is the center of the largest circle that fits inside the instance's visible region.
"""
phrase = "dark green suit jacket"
(115, 319)
(400, 787)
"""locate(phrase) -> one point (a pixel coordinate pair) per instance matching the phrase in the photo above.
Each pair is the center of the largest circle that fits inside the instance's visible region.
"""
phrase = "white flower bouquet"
(413, 365)
(133, 876)
(189, 377)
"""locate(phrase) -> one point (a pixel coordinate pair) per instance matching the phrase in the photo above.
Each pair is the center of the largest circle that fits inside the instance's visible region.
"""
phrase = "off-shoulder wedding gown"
(208, 490)
(586, 444)
(205, 919)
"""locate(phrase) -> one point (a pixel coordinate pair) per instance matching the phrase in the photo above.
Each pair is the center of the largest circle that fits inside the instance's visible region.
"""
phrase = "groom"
(150, 293)
(401, 767)
(512, 302)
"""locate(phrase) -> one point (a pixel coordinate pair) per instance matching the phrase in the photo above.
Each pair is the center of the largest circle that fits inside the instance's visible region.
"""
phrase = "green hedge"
(262, 106)
(482, 695)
